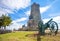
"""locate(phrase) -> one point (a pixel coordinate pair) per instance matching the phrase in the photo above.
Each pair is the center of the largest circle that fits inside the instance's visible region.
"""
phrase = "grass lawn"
(21, 36)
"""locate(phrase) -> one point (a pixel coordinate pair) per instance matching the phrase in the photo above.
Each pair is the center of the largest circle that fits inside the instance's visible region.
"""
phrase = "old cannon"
(52, 25)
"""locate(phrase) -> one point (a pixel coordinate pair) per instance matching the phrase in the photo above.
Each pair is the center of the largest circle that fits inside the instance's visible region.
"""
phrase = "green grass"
(17, 36)
(21, 36)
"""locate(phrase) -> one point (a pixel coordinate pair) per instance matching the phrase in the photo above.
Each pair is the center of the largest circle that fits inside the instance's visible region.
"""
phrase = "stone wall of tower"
(34, 17)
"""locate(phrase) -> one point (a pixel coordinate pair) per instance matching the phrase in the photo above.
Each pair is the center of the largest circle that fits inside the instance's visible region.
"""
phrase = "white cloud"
(44, 9)
(57, 19)
(9, 6)
(14, 26)
(16, 4)
(2, 12)
(19, 20)
(5, 11)
(45, 20)
(28, 13)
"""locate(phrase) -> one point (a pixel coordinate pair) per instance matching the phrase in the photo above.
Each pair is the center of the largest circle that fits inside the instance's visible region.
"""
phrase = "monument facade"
(34, 17)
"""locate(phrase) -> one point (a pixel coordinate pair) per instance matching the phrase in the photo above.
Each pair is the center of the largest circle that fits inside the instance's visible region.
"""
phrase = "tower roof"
(35, 4)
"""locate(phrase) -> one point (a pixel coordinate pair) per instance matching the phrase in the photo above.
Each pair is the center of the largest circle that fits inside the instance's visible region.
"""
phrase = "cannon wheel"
(53, 27)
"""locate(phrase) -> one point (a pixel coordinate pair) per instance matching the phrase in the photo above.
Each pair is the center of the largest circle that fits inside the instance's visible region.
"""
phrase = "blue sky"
(19, 10)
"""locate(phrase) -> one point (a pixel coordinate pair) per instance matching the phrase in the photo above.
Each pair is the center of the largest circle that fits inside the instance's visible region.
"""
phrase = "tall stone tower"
(34, 17)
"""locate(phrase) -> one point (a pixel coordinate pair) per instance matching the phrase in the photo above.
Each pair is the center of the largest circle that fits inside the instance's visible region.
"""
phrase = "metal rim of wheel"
(53, 26)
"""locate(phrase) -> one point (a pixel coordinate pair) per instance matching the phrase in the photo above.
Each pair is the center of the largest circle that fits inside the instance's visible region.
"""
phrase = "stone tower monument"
(34, 17)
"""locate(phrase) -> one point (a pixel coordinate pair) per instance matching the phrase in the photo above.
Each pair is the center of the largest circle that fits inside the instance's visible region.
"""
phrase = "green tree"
(6, 20)
(1, 21)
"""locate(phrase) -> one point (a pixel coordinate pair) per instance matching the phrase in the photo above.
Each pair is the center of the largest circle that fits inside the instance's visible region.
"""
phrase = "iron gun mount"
(52, 25)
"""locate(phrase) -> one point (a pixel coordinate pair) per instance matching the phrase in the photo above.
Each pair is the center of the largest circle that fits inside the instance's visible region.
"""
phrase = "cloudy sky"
(19, 10)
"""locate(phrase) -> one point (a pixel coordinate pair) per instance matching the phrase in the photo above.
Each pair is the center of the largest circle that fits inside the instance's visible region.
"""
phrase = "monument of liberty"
(34, 17)
(35, 21)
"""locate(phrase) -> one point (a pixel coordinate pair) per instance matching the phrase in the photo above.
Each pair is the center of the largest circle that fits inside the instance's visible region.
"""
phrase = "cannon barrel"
(47, 24)
(50, 20)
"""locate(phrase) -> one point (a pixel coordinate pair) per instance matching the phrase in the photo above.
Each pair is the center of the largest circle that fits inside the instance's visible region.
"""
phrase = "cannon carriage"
(52, 25)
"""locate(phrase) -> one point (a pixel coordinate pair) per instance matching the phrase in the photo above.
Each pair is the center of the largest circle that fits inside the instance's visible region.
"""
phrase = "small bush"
(5, 31)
